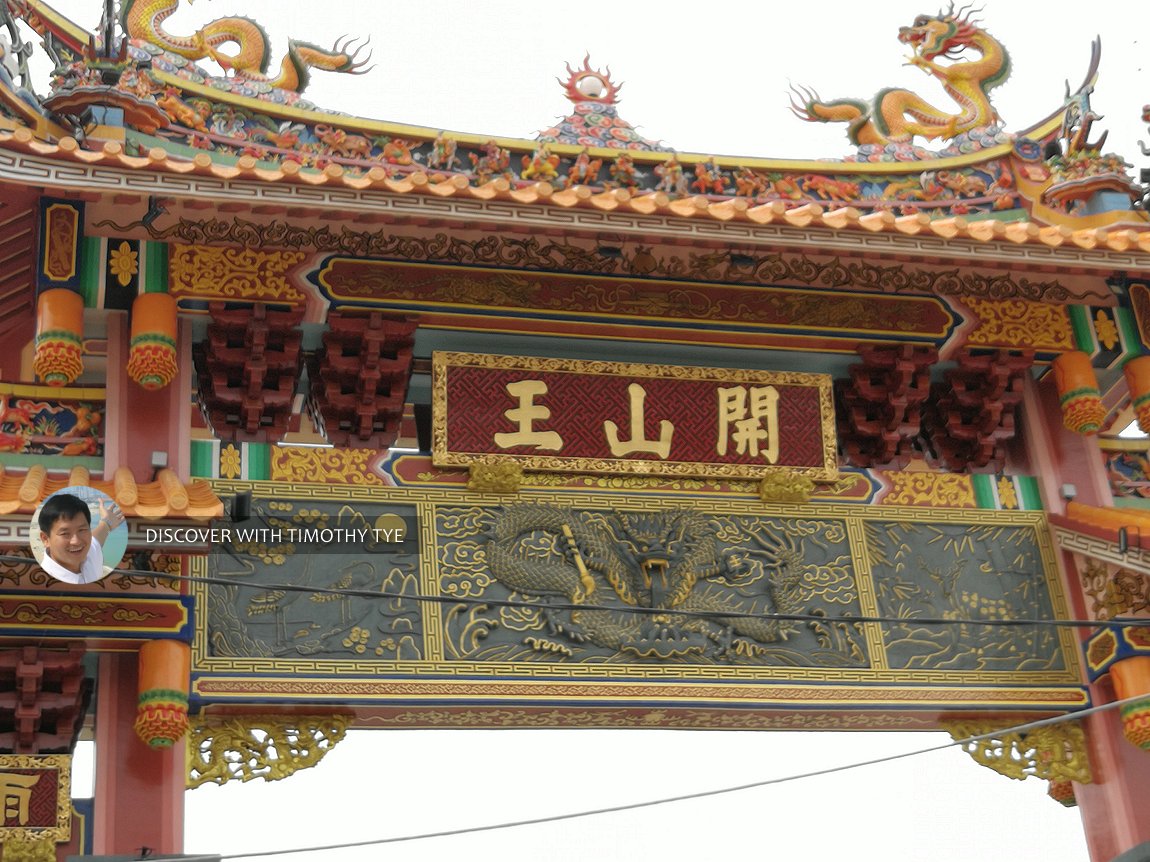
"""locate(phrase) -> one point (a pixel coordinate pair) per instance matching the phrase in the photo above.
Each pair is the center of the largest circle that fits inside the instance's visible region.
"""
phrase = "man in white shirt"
(73, 550)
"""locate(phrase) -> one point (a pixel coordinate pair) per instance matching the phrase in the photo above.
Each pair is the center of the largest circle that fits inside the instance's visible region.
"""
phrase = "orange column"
(59, 337)
(139, 790)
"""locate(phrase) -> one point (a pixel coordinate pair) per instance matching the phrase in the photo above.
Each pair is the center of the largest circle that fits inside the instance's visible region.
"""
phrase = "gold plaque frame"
(62, 765)
(444, 457)
(488, 689)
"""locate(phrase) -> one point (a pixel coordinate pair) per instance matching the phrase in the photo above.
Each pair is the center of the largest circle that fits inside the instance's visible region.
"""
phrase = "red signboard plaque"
(607, 417)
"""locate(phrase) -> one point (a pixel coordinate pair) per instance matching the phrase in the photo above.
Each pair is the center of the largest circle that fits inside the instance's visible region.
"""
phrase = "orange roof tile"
(809, 215)
(167, 497)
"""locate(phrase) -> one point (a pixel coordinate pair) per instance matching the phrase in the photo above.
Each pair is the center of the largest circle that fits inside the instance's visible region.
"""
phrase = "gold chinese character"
(741, 419)
(524, 415)
(15, 794)
(637, 443)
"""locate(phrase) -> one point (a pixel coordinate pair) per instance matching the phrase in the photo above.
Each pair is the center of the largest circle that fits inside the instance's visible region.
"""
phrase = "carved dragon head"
(944, 34)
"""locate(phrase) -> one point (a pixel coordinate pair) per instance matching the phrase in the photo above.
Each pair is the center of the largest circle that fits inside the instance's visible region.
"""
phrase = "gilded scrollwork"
(1056, 752)
(666, 718)
(930, 489)
(1020, 323)
(335, 466)
(165, 566)
(25, 573)
(29, 850)
(221, 272)
(268, 747)
(544, 480)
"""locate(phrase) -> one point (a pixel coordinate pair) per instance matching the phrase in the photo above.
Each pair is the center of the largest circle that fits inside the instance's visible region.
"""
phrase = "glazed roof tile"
(166, 497)
(651, 203)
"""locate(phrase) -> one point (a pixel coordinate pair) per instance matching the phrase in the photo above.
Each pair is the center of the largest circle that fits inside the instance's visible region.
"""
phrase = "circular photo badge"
(78, 535)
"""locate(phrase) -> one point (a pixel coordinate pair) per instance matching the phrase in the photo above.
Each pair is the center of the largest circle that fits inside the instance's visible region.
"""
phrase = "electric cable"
(1117, 623)
(685, 797)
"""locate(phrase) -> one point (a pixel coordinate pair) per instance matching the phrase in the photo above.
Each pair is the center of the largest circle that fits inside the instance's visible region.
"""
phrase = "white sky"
(714, 80)
(707, 77)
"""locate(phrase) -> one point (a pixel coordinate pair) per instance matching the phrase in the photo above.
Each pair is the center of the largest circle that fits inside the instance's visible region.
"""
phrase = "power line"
(623, 609)
(687, 797)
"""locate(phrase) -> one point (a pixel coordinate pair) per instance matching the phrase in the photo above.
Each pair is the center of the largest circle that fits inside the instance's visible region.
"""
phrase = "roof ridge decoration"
(14, 71)
(1081, 175)
(141, 108)
(595, 121)
(884, 128)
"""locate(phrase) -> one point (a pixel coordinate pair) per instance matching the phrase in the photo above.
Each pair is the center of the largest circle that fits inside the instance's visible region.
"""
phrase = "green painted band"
(152, 338)
(59, 335)
(157, 695)
(1085, 392)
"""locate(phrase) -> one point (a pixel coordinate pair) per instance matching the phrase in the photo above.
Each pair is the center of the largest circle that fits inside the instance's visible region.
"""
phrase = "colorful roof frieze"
(595, 121)
(1110, 235)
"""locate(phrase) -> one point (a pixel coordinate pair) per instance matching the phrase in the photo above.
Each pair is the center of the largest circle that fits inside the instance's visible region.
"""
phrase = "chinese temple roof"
(1115, 237)
(150, 106)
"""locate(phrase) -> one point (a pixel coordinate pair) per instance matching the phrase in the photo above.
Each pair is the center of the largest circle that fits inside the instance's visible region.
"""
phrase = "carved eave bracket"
(880, 408)
(971, 416)
(1056, 752)
(43, 697)
(359, 379)
(267, 747)
(248, 369)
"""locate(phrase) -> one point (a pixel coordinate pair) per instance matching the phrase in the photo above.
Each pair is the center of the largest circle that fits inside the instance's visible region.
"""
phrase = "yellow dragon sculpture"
(896, 115)
(144, 19)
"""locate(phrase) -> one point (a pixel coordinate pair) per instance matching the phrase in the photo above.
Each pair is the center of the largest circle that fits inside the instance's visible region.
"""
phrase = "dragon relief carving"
(652, 585)
(896, 115)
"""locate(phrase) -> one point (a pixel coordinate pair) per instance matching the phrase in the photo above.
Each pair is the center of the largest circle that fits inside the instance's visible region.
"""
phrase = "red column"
(1113, 807)
(139, 790)
(1057, 456)
(139, 421)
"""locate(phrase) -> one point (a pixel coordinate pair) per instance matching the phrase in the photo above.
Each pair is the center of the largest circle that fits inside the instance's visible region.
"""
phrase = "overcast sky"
(713, 78)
